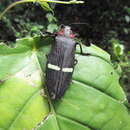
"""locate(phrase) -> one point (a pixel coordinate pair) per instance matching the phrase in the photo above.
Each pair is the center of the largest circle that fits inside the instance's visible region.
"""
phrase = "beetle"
(60, 63)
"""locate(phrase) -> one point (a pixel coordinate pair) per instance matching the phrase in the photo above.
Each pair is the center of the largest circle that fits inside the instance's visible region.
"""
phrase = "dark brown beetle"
(60, 63)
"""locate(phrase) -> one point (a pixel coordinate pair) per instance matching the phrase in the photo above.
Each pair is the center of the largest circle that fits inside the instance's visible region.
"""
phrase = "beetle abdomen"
(60, 66)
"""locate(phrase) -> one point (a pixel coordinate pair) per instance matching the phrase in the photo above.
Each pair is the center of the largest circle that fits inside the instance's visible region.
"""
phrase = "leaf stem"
(12, 5)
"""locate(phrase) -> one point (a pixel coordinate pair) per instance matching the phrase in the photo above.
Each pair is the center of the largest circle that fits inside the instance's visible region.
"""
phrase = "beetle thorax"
(67, 31)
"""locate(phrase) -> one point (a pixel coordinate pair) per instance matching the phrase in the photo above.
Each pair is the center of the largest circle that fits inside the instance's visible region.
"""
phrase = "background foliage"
(106, 23)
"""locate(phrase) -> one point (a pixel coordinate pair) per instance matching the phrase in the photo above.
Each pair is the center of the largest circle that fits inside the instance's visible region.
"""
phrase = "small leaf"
(127, 10)
(126, 31)
(45, 6)
(51, 18)
(127, 18)
(52, 28)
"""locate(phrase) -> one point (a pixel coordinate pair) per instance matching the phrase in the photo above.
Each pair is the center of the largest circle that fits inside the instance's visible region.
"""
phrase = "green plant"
(22, 25)
(121, 57)
(43, 4)
(94, 100)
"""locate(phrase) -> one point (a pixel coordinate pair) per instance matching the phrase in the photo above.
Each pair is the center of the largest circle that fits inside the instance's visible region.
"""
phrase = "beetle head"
(66, 31)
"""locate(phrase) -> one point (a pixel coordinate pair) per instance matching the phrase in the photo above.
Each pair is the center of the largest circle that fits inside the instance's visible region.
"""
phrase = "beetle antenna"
(81, 50)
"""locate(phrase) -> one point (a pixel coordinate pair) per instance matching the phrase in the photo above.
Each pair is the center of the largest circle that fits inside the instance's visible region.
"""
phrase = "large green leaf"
(93, 101)
(21, 78)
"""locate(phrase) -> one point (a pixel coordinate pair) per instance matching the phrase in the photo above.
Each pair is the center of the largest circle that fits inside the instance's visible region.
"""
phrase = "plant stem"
(39, 1)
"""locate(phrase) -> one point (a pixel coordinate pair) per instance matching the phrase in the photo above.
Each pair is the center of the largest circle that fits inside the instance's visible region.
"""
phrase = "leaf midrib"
(78, 122)
(23, 108)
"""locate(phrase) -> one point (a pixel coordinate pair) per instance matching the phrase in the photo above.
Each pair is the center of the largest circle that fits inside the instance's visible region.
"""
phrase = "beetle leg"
(72, 81)
(47, 34)
(42, 93)
(62, 26)
(47, 56)
(75, 61)
(81, 50)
